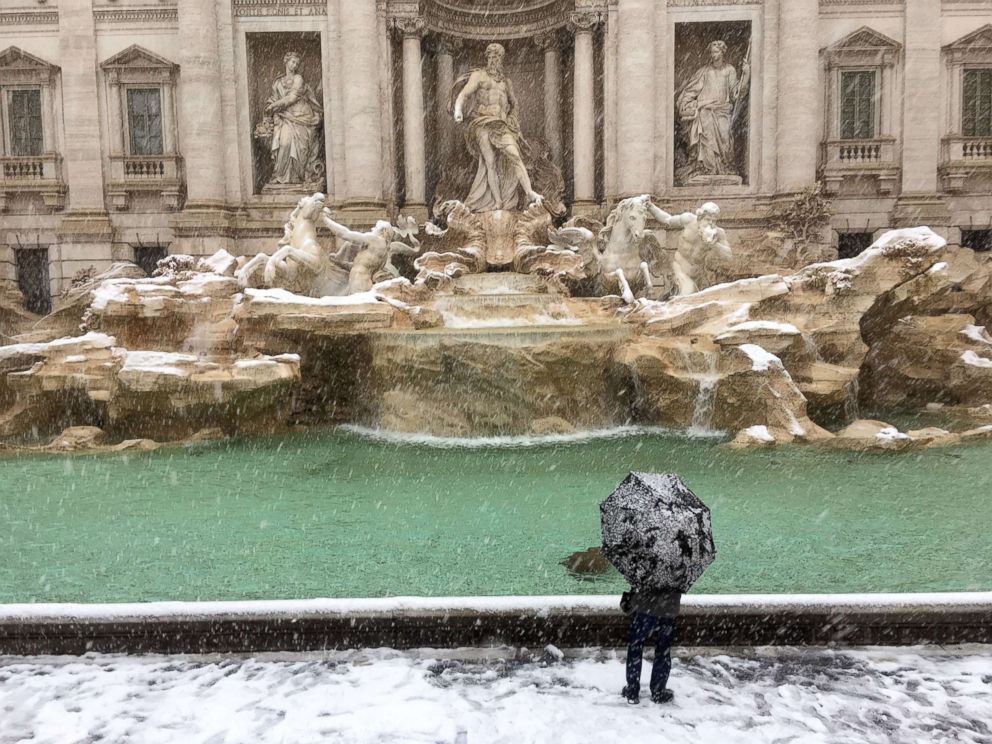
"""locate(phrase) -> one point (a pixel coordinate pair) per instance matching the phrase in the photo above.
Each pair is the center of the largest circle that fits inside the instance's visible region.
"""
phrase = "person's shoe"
(665, 696)
(632, 696)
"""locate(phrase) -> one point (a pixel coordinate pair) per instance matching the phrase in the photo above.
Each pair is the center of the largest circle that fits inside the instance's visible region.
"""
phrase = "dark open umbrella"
(657, 532)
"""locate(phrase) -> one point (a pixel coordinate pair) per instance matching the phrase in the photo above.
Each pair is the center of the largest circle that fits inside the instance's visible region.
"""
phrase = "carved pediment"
(19, 67)
(137, 65)
(866, 46)
(973, 47)
(138, 57)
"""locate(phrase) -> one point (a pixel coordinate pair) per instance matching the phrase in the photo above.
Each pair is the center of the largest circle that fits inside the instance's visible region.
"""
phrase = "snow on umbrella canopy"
(656, 532)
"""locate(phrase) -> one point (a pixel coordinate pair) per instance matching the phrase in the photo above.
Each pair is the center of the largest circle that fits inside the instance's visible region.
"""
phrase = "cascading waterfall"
(702, 412)
(811, 348)
(852, 411)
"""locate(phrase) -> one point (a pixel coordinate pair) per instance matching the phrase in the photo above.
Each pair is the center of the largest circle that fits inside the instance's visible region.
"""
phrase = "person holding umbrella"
(650, 610)
(658, 535)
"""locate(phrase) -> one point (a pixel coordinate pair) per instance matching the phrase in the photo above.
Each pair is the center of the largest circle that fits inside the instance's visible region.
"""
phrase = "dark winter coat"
(658, 602)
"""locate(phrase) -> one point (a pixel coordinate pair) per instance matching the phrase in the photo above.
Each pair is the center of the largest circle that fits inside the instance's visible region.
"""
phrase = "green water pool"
(343, 514)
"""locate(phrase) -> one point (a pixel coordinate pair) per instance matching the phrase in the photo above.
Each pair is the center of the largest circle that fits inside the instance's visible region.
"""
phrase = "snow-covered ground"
(473, 696)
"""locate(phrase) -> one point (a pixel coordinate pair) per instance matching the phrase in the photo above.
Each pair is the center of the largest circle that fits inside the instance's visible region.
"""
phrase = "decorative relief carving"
(250, 8)
(475, 20)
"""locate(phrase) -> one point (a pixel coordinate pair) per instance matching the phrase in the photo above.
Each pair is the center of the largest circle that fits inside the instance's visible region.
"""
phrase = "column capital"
(548, 39)
(585, 21)
(409, 26)
(448, 45)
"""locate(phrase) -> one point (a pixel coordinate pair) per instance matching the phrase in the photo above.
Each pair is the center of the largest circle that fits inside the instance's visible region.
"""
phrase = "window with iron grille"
(144, 121)
(850, 245)
(857, 104)
(976, 117)
(977, 240)
(32, 279)
(24, 115)
(148, 256)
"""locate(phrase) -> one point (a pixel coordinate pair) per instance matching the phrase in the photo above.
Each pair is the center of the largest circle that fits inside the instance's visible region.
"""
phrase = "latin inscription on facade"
(280, 8)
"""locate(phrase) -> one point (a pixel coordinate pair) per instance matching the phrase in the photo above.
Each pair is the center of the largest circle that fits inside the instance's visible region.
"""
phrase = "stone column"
(798, 95)
(115, 115)
(919, 203)
(82, 158)
(447, 46)
(635, 97)
(85, 234)
(200, 113)
(168, 119)
(549, 42)
(415, 167)
(47, 119)
(582, 25)
(362, 109)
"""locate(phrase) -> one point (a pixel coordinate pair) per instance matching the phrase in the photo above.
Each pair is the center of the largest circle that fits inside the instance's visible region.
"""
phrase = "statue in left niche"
(291, 128)
(302, 266)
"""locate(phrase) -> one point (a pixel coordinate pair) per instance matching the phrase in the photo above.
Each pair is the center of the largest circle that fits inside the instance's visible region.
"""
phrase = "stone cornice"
(137, 14)
(28, 17)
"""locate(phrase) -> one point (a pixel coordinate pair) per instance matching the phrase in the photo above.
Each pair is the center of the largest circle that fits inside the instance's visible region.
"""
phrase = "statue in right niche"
(708, 105)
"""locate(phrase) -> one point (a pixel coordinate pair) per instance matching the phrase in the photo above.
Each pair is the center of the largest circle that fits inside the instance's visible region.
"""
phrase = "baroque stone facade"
(132, 130)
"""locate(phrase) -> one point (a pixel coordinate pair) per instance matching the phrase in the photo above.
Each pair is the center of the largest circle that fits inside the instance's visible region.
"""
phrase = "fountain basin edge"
(453, 622)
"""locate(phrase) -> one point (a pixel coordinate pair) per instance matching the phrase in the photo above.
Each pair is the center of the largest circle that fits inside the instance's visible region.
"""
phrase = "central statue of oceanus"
(493, 137)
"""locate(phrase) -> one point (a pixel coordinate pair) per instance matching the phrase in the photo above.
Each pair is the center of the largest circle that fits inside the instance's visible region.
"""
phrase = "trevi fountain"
(500, 320)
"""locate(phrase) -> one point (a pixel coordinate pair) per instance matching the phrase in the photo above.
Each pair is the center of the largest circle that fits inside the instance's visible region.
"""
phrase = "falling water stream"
(702, 412)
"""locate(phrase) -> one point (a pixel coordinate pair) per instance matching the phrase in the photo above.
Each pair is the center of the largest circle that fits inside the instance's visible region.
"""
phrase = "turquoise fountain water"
(339, 514)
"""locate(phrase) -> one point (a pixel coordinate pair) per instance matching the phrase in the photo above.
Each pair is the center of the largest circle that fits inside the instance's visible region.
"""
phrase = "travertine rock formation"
(90, 381)
(510, 353)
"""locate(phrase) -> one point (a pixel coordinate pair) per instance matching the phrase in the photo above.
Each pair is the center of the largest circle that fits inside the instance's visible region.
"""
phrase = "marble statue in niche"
(291, 129)
(709, 105)
(493, 136)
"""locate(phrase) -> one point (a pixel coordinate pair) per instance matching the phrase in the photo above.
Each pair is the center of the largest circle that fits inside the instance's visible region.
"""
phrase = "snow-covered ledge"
(298, 609)
(456, 622)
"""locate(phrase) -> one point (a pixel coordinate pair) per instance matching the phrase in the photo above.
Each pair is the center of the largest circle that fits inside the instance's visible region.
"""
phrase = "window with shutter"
(144, 117)
(976, 117)
(857, 106)
(24, 114)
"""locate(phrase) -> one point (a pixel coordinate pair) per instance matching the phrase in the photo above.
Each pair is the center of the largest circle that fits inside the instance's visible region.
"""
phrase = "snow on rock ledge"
(140, 393)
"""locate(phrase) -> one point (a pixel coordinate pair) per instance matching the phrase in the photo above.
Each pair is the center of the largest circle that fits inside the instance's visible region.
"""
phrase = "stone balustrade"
(848, 159)
(39, 174)
(962, 157)
(130, 174)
